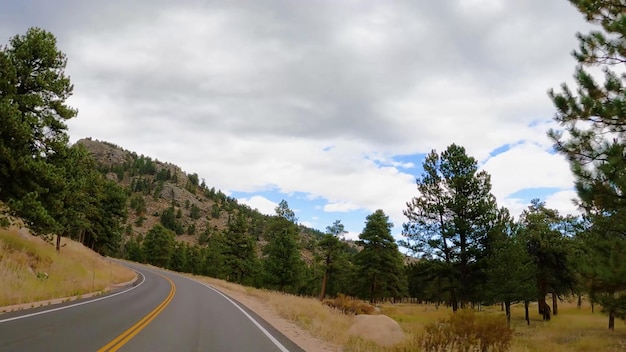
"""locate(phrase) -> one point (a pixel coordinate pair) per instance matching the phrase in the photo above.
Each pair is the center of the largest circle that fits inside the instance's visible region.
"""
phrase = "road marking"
(258, 325)
(121, 340)
(76, 304)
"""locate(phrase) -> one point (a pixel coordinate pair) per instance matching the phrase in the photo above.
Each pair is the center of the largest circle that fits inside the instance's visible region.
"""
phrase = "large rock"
(380, 329)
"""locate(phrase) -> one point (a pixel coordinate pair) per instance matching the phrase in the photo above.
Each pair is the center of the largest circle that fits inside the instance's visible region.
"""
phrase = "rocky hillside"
(162, 192)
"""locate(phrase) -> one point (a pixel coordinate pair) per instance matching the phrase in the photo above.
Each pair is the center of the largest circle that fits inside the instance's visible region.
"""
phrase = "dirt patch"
(296, 334)
(380, 329)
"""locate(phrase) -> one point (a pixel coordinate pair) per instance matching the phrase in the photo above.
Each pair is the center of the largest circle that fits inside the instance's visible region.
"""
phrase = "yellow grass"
(31, 270)
(572, 329)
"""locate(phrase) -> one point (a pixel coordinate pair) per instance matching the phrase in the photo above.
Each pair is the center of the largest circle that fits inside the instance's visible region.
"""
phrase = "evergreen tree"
(33, 90)
(240, 259)
(215, 255)
(282, 263)
(595, 144)
(550, 250)
(451, 218)
(380, 264)
(179, 261)
(158, 246)
(331, 247)
(283, 211)
(509, 268)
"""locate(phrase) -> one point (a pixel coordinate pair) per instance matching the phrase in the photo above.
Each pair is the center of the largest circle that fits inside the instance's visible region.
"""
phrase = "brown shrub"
(349, 305)
(466, 331)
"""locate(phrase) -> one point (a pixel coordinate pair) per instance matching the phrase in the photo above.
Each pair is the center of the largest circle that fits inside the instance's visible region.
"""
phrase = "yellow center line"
(121, 340)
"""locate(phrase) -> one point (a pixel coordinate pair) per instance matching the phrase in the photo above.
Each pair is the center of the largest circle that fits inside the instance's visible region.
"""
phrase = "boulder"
(379, 329)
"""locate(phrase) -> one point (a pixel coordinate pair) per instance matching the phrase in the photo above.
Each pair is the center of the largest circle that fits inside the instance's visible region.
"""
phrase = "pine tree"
(331, 247)
(239, 251)
(282, 263)
(158, 246)
(509, 268)
(595, 144)
(380, 265)
(549, 246)
(33, 90)
(450, 220)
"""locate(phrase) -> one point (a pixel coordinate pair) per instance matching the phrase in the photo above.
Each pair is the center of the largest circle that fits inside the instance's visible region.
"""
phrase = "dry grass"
(31, 270)
(572, 329)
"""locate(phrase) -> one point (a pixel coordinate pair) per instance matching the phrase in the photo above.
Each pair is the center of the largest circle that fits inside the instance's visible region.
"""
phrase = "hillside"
(31, 270)
(161, 192)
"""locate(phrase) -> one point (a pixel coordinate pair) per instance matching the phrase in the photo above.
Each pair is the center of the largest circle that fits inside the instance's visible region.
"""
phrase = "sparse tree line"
(470, 251)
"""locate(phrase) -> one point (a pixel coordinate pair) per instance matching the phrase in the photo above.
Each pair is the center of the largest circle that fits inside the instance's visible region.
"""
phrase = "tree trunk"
(592, 306)
(453, 301)
(526, 303)
(507, 306)
(58, 246)
(580, 301)
(546, 310)
(373, 290)
(323, 293)
(611, 320)
(555, 304)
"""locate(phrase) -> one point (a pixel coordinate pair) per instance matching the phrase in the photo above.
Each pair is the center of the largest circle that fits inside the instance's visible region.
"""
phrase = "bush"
(466, 331)
(349, 305)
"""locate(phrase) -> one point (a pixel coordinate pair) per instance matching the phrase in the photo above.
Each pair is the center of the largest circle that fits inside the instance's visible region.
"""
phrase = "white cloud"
(564, 202)
(250, 96)
(527, 165)
(262, 204)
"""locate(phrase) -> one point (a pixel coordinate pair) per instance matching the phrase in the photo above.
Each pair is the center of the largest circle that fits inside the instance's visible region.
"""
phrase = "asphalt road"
(161, 312)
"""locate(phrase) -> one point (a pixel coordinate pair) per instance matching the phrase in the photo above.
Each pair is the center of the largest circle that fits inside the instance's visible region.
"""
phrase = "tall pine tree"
(450, 220)
(380, 265)
(594, 119)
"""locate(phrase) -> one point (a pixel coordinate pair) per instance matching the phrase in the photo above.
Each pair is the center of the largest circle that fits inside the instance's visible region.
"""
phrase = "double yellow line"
(121, 340)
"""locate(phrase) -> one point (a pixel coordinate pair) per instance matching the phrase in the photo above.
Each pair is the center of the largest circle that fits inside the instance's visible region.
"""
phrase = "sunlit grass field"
(572, 329)
(31, 270)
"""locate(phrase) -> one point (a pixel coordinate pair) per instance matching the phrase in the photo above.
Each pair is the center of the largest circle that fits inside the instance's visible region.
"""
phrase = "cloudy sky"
(330, 105)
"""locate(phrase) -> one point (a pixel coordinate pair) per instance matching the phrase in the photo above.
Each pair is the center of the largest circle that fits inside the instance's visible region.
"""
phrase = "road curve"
(162, 312)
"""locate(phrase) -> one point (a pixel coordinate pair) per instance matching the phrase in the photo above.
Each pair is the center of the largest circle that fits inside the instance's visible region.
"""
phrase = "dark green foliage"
(239, 252)
(215, 257)
(603, 264)
(158, 246)
(170, 221)
(164, 174)
(510, 270)
(334, 259)
(550, 249)
(194, 212)
(138, 204)
(158, 190)
(33, 90)
(143, 166)
(451, 219)
(180, 260)
(191, 229)
(425, 282)
(133, 251)
(595, 145)
(215, 210)
(282, 263)
(141, 185)
(380, 265)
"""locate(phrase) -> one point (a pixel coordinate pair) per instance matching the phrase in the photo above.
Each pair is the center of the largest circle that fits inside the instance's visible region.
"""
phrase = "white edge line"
(76, 304)
(258, 325)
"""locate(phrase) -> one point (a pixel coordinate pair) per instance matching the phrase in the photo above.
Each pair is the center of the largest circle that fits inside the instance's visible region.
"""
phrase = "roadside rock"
(380, 329)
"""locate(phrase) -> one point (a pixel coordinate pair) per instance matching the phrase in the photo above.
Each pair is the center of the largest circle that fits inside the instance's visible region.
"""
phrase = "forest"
(466, 251)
